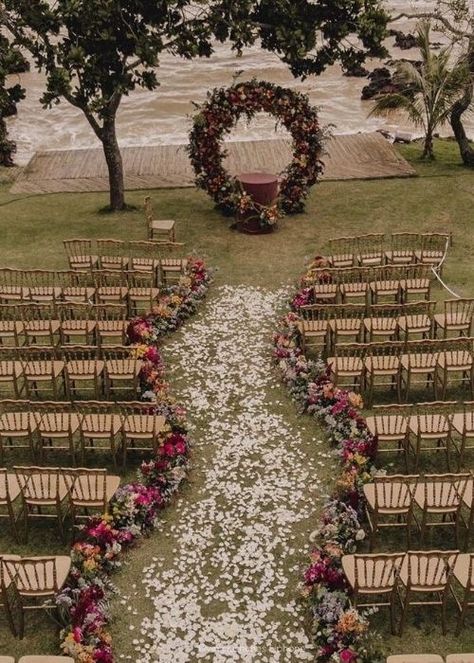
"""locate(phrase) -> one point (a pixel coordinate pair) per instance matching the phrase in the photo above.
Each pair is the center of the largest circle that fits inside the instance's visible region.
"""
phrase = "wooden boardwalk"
(357, 156)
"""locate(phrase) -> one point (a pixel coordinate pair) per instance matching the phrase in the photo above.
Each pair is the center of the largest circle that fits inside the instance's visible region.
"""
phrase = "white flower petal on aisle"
(229, 591)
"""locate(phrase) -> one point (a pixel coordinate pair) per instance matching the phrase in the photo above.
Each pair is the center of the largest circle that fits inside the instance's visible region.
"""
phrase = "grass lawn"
(441, 198)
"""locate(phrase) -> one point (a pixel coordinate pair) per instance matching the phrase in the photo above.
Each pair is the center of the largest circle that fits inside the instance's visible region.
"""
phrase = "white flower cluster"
(225, 586)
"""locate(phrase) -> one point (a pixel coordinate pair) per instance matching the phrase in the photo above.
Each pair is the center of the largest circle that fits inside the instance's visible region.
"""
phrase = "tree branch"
(433, 16)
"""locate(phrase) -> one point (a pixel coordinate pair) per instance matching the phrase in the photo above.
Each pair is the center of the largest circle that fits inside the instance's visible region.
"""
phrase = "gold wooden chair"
(111, 322)
(11, 372)
(90, 491)
(326, 284)
(314, 325)
(403, 247)
(80, 253)
(11, 325)
(164, 228)
(42, 369)
(83, 369)
(145, 257)
(142, 430)
(425, 580)
(375, 577)
(5, 589)
(36, 581)
(76, 287)
(433, 248)
(389, 504)
(460, 658)
(390, 423)
(171, 269)
(464, 574)
(113, 254)
(418, 366)
(111, 286)
(354, 284)
(457, 317)
(417, 282)
(382, 367)
(75, 323)
(430, 431)
(455, 363)
(463, 432)
(42, 286)
(348, 365)
(370, 249)
(58, 430)
(346, 324)
(142, 294)
(18, 426)
(440, 499)
(122, 370)
(45, 659)
(100, 429)
(416, 318)
(43, 493)
(9, 493)
(342, 251)
(12, 286)
(381, 322)
(386, 284)
(415, 658)
(40, 323)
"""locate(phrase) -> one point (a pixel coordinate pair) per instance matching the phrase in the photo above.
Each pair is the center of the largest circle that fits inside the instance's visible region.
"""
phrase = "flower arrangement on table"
(84, 602)
(341, 633)
(217, 117)
(268, 215)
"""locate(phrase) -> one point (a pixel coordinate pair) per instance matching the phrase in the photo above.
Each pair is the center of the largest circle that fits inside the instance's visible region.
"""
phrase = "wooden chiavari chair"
(76, 287)
(9, 493)
(42, 368)
(425, 578)
(171, 269)
(455, 363)
(463, 432)
(418, 366)
(417, 318)
(113, 254)
(58, 430)
(111, 286)
(457, 317)
(18, 428)
(158, 227)
(348, 364)
(80, 253)
(76, 323)
(370, 249)
(11, 371)
(36, 581)
(90, 491)
(142, 429)
(83, 370)
(11, 325)
(101, 429)
(142, 293)
(325, 284)
(390, 423)
(440, 499)
(314, 325)
(373, 576)
(386, 284)
(354, 284)
(417, 282)
(40, 323)
(42, 286)
(5, 589)
(145, 258)
(12, 286)
(430, 430)
(389, 504)
(111, 323)
(346, 324)
(43, 493)
(382, 366)
(464, 574)
(382, 321)
(122, 370)
(403, 247)
(341, 251)
(416, 658)
(433, 247)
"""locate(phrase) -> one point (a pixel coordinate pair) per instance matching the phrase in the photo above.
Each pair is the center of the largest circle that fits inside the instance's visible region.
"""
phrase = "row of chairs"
(398, 248)
(370, 285)
(392, 502)
(114, 254)
(64, 323)
(414, 579)
(434, 364)
(424, 428)
(34, 370)
(55, 493)
(79, 429)
(326, 325)
(30, 583)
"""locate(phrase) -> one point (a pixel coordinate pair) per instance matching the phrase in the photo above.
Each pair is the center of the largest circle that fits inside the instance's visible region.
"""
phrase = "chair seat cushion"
(415, 658)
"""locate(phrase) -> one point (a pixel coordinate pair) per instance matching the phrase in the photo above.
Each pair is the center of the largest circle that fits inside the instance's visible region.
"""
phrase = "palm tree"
(429, 91)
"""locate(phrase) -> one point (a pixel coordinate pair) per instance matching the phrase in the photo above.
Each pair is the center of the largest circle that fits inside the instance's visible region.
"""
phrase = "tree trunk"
(459, 108)
(114, 164)
(428, 145)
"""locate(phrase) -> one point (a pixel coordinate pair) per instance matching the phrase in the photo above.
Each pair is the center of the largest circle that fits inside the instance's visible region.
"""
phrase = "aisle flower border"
(218, 116)
(340, 632)
(84, 603)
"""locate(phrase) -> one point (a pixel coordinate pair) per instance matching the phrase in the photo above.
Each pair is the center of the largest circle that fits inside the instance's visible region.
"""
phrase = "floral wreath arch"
(218, 116)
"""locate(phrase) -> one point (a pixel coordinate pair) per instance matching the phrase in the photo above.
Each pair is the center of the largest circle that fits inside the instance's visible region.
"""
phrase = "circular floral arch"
(220, 113)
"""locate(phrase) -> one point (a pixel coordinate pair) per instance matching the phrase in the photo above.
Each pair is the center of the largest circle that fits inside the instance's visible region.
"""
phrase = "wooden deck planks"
(357, 156)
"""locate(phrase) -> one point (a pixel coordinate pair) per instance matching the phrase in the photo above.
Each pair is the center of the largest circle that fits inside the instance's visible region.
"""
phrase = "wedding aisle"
(223, 581)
